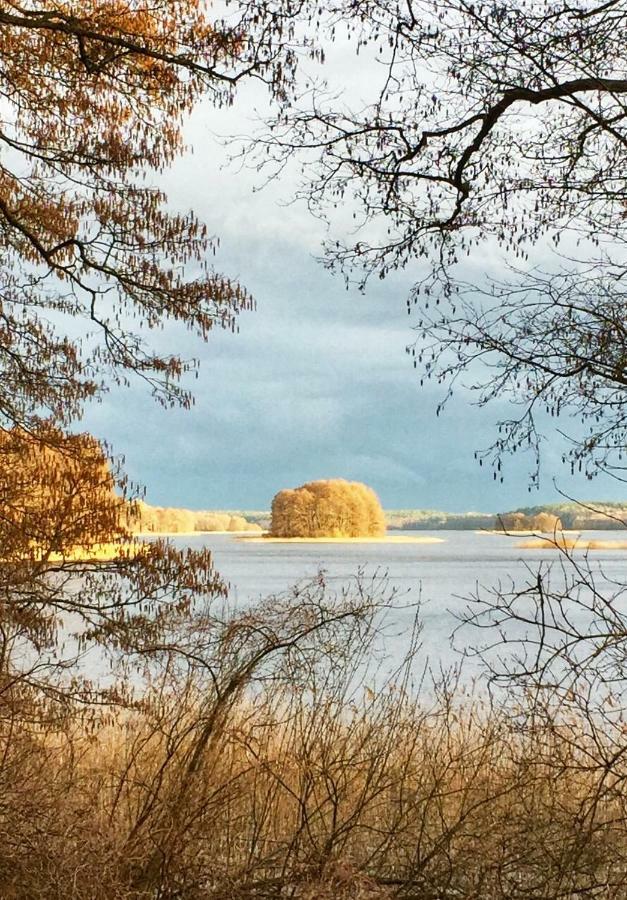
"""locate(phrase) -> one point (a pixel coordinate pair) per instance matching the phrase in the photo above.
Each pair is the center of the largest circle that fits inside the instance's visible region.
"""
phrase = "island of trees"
(328, 508)
(544, 522)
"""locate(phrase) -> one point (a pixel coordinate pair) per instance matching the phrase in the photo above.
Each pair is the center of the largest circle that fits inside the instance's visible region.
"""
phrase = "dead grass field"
(319, 801)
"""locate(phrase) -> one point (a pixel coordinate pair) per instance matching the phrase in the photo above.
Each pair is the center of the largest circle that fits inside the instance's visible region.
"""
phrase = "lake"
(440, 575)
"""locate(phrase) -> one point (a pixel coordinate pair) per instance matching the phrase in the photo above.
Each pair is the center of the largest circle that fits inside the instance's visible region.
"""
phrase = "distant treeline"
(433, 519)
(596, 515)
(601, 515)
(170, 520)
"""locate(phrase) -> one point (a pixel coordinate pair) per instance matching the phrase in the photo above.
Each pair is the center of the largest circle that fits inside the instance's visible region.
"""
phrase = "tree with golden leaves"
(95, 94)
(94, 97)
(57, 492)
(327, 508)
(544, 522)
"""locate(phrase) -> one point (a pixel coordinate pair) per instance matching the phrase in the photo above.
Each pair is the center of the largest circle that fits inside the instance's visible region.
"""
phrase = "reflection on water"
(439, 575)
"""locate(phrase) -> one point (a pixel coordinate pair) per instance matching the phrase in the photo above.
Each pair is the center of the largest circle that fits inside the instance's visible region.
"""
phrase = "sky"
(316, 384)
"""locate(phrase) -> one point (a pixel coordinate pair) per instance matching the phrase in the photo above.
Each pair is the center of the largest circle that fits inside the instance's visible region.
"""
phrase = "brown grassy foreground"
(315, 798)
(253, 753)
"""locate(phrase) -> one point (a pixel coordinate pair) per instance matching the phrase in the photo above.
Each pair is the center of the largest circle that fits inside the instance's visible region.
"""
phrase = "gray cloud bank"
(316, 384)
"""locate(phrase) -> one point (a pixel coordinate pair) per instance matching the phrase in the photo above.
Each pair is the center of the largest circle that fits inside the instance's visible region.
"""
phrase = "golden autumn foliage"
(94, 96)
(57, 494)
(327, 508)
(148, 519)
(546, 523)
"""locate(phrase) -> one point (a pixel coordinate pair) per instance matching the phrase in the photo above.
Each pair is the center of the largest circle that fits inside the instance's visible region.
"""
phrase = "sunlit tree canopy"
(333, 508)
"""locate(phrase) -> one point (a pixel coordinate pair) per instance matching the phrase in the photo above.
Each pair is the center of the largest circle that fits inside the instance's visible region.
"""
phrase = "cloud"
(316, 384)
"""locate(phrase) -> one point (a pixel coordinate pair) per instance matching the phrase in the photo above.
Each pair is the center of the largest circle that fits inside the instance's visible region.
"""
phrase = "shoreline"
(529, 532)
(147, 534)
(386, 539)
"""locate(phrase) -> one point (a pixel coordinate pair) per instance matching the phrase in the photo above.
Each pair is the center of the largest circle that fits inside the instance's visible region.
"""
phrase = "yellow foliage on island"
(543, 522)
(330, 508)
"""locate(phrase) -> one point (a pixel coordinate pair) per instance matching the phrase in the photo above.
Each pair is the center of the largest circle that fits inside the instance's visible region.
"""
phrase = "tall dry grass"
(312, 796)
(256, 754)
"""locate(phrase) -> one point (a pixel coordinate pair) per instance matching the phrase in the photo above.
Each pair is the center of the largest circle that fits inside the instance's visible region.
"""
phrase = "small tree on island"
(327, 508)
(543, 522)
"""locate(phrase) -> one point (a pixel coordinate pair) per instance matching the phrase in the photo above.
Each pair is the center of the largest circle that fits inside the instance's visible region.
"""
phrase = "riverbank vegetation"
(542, 522)
(148, 519)
(272, 769)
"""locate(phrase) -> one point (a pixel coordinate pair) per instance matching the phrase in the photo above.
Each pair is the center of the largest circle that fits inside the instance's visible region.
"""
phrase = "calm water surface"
(440, 575)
